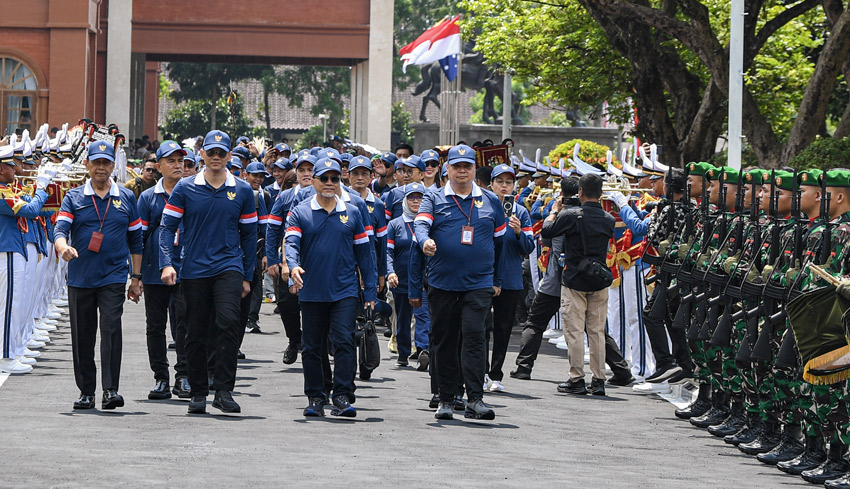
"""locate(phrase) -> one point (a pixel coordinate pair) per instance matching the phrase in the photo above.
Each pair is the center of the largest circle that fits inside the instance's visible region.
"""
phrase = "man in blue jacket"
(219, 221)
(460, 227)
(325, 240)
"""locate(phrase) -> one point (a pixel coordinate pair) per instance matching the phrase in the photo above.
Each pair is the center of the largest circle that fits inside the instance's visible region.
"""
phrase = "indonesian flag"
(437, 43)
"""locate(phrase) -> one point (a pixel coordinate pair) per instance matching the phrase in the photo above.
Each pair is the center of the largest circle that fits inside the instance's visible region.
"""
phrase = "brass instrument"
(620, 184)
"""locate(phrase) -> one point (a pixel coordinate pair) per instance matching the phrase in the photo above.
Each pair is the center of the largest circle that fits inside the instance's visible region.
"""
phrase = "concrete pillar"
(136, 94)
(359, 101)
(118, 64)
(379, 85)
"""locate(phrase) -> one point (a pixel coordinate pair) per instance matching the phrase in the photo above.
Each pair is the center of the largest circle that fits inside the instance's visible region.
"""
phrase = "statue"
(475, 75)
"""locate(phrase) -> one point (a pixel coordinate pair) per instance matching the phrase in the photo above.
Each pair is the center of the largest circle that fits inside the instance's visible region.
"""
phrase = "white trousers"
(27, 290)
(625, 321)
(12, 275)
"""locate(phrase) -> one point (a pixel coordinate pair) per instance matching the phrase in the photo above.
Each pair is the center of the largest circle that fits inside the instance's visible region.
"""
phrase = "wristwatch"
(136, 276)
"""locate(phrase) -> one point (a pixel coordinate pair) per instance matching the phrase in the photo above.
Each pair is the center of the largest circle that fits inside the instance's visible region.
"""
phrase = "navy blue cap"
(217, 139)
(189, 155)
(360, 162)
(429, 155)
(315, 151)
(243, 139)
(345, 156)
(283, 163)
(445, 171)
(308, 158)
(329, 153)
(257, 167)
(281, 147)
(413, 161)
(461, 154)
(234, 162)
(414, 188)
(500, 169)
(389, 157)
(101, 150)
(242, 152)
(167, 148)
(325, 165)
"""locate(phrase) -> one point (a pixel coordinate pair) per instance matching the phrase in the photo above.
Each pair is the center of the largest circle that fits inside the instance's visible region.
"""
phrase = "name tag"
(466, 234)
(95, 241)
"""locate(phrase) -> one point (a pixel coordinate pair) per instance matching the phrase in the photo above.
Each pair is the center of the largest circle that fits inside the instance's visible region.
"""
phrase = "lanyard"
(468, 217)
(98, 212)
(412, 234)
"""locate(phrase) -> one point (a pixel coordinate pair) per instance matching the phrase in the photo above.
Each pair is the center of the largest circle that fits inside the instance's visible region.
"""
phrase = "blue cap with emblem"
(168, 148)
(315, 151)
(325, 165)
(360, 162)
(283, 163)
(281, 147)
(189, 154)
(445, 171)
(500, 169)
(389, 158)
(329, 153)
(302, 158)
(242, 152)
(461, 154)
(101, 150)
(235, 162)
(413, 161)
(429, 155)
(242, 139)
(414, 188)
(257, 167)
(217, 139)
(345, 157)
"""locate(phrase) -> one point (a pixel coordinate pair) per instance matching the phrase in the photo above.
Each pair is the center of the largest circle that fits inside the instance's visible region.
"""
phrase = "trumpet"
(619, 184)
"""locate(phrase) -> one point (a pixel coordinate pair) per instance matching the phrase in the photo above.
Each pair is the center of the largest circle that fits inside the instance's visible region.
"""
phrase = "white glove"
(67, 165)
(618, 198)
(45, 174)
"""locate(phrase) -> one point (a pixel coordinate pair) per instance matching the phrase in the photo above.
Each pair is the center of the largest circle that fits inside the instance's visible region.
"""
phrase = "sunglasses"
(216, 152)
(189, 165)
(325, 178)
(432, 164)
(151, 170)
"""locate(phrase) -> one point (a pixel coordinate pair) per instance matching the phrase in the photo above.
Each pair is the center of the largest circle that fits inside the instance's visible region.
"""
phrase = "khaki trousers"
(580, 312)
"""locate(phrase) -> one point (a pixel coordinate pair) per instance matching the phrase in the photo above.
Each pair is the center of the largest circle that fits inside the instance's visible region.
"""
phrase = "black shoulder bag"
(589, 271)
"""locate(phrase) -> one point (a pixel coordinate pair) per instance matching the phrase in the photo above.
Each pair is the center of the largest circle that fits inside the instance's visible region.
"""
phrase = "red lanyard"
(468, 217)
(412, 234)
(98, 212)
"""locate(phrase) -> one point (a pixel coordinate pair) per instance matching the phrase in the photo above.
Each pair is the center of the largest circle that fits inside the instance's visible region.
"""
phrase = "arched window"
(18, 90)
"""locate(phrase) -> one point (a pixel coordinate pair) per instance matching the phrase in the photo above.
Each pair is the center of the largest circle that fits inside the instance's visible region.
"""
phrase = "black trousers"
(657, 331)
(504, 318)
(454, 314)
(290, 312)
(542, 309)
(221, 295)
(84, 305)
(158, 298)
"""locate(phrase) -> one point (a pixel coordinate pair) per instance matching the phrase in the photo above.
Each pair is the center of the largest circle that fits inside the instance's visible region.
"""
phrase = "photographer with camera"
(585, 280)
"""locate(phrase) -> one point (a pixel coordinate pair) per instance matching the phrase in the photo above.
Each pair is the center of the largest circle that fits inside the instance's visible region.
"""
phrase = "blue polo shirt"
(400, 245)
(376, 187)
(277, 217)
(514, 249)
(14, 212)
(219, 227)
(393, 202)
(378, 221)
(328, 246)
(457, 266)
(151, 204)
(122, 234)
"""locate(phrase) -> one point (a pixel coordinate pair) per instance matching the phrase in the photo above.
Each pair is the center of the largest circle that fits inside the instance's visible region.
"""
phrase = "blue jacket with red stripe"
(328, 246)
(400, 245)
(393, 202)
(80, 215)
(219, 227)
(514, 248)
(284, 202)
(151, 204)
(456, 266)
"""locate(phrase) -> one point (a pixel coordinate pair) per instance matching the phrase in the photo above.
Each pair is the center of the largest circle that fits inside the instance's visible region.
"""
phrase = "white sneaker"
(552, 333)
(53, 315)
(31, 354)
(40, 336)
(44, 326)
(33, 344)
(487, 383)
(60, 302)
(51, 307)
(496, 386)
(12, 366)
(557, 339)
(648, 388)
(561, 345)
(587, 359)
(25, 360)
(47, 320)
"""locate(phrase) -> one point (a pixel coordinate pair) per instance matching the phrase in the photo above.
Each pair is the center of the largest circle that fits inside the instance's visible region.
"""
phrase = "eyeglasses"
(189, 165)
(414, 197)
(325, 178)
(432, 164)
(216, 152)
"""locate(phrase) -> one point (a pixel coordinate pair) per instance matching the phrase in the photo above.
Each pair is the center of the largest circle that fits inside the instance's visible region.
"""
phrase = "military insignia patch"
(116, 203)
(765, 177)
(231, 195)
(173, 145)
(102, 147)
(461, 151)
(804, 177)
(711, 173)
(749, 177)
(371, 209)
(343, 218)
(778, 180)
(329, 163)
(693, 166)
(217, 137)
(478, 203)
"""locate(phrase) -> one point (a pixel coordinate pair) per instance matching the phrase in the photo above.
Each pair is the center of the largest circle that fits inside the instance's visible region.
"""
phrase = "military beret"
(784, 179)
(837, 178)
(757, 176)
(699, 168)
(809, 177)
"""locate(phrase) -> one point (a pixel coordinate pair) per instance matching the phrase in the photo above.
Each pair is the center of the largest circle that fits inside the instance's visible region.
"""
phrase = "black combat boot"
(733, 423)
(716, 415)
(700, 406)
(842, 482)
(790, 446)
(767, 441)
(834, 467)
(814, 455)
(748, 433)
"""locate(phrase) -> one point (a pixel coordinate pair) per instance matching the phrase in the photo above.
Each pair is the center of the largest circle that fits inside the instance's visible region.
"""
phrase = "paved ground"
(539, 438)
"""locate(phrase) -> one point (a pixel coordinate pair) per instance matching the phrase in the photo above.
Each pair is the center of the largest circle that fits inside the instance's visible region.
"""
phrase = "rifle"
(826, 244)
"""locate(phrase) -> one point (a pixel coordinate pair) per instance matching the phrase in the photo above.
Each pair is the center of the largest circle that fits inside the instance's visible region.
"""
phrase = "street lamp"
(324, 119)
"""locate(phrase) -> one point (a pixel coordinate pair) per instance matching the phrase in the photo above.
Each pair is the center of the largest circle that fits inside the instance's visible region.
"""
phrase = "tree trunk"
(266, 111)
(214, 98)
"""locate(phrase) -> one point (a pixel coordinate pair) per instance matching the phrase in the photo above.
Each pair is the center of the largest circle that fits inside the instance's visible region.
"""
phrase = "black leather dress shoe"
(181, 388)
(198, 405)
(240, 355)
(597, 387)
(520, 374)
(84, 402)
(291, 353)
(224, 402)
(747, 434)
(814, 455)
(161, 391)
(694, 409)
(573, 387)
(622, 380)
(111, 400)
(840, 483)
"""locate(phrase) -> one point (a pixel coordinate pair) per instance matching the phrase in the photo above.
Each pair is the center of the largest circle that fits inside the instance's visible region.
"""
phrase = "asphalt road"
(539, 438)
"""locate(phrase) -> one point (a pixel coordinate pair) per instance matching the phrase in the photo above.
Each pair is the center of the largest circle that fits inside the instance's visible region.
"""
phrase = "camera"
(508, 204)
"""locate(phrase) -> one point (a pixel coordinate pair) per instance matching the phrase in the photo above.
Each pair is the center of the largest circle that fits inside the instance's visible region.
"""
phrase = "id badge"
(95, 241)
(466, 234)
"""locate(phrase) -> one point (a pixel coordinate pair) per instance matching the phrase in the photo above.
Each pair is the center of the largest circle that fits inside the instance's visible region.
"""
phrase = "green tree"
(209, 81)
(192, 118)
(671, 58)
(328, 86)
(401, 123)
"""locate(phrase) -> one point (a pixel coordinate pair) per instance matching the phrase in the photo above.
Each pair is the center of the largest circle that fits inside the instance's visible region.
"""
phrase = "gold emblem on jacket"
(343, 218)
(231, 195)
